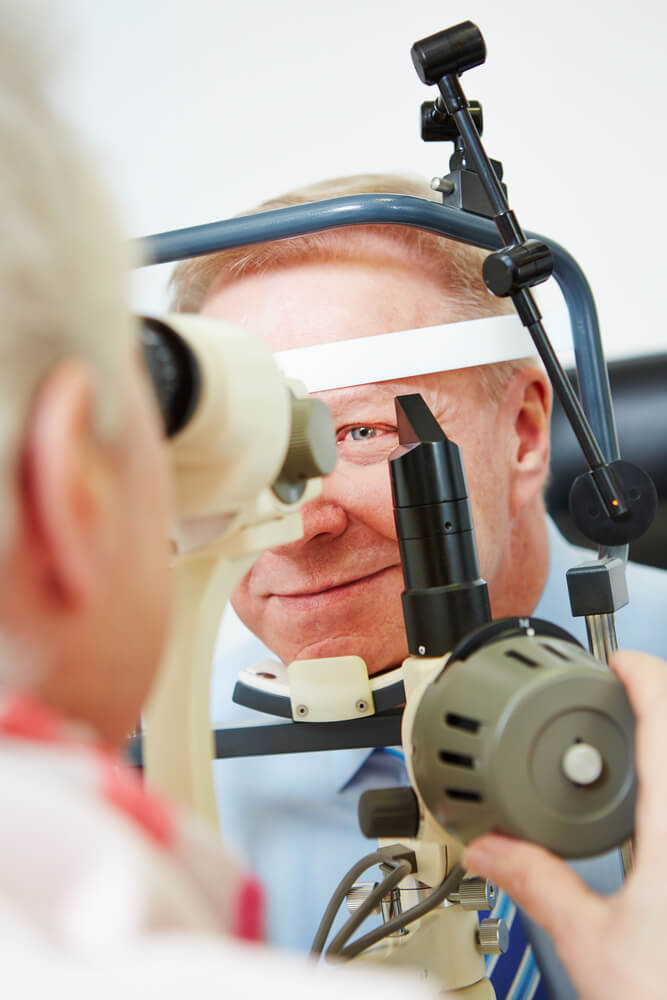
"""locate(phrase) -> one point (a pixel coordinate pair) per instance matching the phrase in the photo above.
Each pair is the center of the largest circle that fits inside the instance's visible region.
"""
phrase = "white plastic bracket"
(335, 687)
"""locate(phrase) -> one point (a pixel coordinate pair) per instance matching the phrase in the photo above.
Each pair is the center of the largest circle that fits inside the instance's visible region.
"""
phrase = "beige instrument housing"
(443, 945)
(224, 463)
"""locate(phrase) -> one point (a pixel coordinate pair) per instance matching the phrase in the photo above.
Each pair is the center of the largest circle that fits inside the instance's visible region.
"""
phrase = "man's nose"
(323, 518)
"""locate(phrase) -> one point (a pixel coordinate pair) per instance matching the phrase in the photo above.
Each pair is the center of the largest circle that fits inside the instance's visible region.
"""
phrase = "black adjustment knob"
(508, 270)
(389, 812)
(439, 126)
(453, 50)
(588, 511)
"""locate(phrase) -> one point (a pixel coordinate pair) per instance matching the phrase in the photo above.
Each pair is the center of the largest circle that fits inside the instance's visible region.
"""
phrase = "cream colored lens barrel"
(236, 441)
(247, 456)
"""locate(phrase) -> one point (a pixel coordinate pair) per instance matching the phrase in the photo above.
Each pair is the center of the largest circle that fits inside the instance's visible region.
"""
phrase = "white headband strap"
(415, 352)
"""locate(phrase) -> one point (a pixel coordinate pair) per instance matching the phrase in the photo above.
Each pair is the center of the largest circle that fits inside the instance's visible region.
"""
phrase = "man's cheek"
(242, 602)
(370, 499)
(492, 533)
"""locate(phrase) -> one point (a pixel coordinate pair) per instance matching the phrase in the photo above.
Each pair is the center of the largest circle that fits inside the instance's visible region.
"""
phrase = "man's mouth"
(334, 589)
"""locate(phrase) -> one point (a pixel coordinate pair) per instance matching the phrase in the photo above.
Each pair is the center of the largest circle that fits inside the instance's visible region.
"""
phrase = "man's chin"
(376, 659)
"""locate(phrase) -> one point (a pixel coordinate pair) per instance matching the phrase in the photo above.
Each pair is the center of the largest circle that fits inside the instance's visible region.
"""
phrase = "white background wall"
(198, 109)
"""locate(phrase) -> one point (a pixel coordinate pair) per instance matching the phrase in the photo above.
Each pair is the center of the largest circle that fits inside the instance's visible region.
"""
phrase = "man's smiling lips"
(332, 592)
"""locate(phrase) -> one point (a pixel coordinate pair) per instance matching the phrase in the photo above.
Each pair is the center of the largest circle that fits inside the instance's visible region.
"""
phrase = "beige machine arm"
(249, 456)
(444, 944)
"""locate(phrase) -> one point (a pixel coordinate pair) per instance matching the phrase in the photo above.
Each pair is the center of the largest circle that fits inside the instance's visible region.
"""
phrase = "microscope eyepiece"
(174, 373)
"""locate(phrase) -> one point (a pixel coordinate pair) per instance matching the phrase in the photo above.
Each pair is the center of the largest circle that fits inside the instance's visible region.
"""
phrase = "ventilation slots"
(514, 654)
(556, 652)
(462, 722)
(458, 759)
(463, 794)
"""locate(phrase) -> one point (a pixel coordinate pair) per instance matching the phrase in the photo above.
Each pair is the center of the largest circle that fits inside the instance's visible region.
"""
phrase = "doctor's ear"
(528, 402)
(66, 483)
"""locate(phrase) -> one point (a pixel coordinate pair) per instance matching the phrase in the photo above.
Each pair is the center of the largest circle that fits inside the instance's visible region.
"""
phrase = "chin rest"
(639, 391)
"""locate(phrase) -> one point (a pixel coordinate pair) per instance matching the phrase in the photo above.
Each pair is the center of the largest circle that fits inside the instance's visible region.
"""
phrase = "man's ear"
(529, 408)
(64, 482)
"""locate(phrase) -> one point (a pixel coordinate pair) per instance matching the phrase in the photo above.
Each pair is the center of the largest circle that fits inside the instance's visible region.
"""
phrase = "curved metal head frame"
(441, 219)
(367, 209)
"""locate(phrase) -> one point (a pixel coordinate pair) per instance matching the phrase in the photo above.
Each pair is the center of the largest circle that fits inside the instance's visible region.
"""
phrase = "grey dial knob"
(475, 894)
(493, 937)
(388, 812)
(312, 448)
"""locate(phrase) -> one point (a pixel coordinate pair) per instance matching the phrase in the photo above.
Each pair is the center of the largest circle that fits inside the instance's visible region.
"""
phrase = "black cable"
(366, 907)
(339, 894)
(448, 885)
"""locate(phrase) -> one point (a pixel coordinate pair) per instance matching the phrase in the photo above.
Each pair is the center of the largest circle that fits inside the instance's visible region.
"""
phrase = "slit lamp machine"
(506, 725)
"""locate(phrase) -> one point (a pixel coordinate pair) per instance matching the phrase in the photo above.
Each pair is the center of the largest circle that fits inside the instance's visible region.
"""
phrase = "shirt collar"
(24, 717)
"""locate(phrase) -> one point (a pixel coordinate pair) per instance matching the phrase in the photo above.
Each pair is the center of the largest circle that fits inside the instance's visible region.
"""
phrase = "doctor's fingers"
(567, 911)
(645, 680)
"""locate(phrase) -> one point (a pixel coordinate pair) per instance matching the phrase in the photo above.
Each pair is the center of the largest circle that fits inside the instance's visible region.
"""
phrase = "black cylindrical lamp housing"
(444, 596)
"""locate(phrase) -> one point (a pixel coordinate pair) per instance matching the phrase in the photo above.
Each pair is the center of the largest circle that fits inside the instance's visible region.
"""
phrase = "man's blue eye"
(362, 433)
(365, 444)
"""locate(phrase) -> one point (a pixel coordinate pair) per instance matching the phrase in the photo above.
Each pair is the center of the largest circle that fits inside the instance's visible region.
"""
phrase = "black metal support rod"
(457, 105)
(567, 396)
(455, 102)
(508, 226)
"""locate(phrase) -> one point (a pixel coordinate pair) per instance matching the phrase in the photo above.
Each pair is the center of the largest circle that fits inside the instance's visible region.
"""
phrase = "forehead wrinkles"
(444, 393)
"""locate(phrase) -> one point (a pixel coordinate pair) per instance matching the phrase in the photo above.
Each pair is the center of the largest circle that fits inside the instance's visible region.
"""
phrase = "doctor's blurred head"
(83, 477)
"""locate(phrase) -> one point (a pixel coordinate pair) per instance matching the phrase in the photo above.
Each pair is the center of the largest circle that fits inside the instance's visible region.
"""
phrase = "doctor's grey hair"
(63, 267)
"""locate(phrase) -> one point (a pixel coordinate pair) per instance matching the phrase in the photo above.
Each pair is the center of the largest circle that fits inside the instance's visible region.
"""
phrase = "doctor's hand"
(613, 947)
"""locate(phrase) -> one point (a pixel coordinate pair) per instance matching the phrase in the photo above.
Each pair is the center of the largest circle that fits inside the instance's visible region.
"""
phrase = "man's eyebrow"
(377, 392)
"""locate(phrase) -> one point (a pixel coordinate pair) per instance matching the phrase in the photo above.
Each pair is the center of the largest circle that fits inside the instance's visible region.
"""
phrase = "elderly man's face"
(337, 591)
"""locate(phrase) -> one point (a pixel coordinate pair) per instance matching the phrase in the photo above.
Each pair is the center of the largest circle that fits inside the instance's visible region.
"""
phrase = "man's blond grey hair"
(456, 266)
(63, 267)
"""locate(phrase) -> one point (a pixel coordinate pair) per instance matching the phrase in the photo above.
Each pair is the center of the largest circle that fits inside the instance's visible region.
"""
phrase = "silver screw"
(442, 184)
(475, 894)
(358, 894)
(361, 705)
(421, 650)
(302, 710)
(493, 936)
